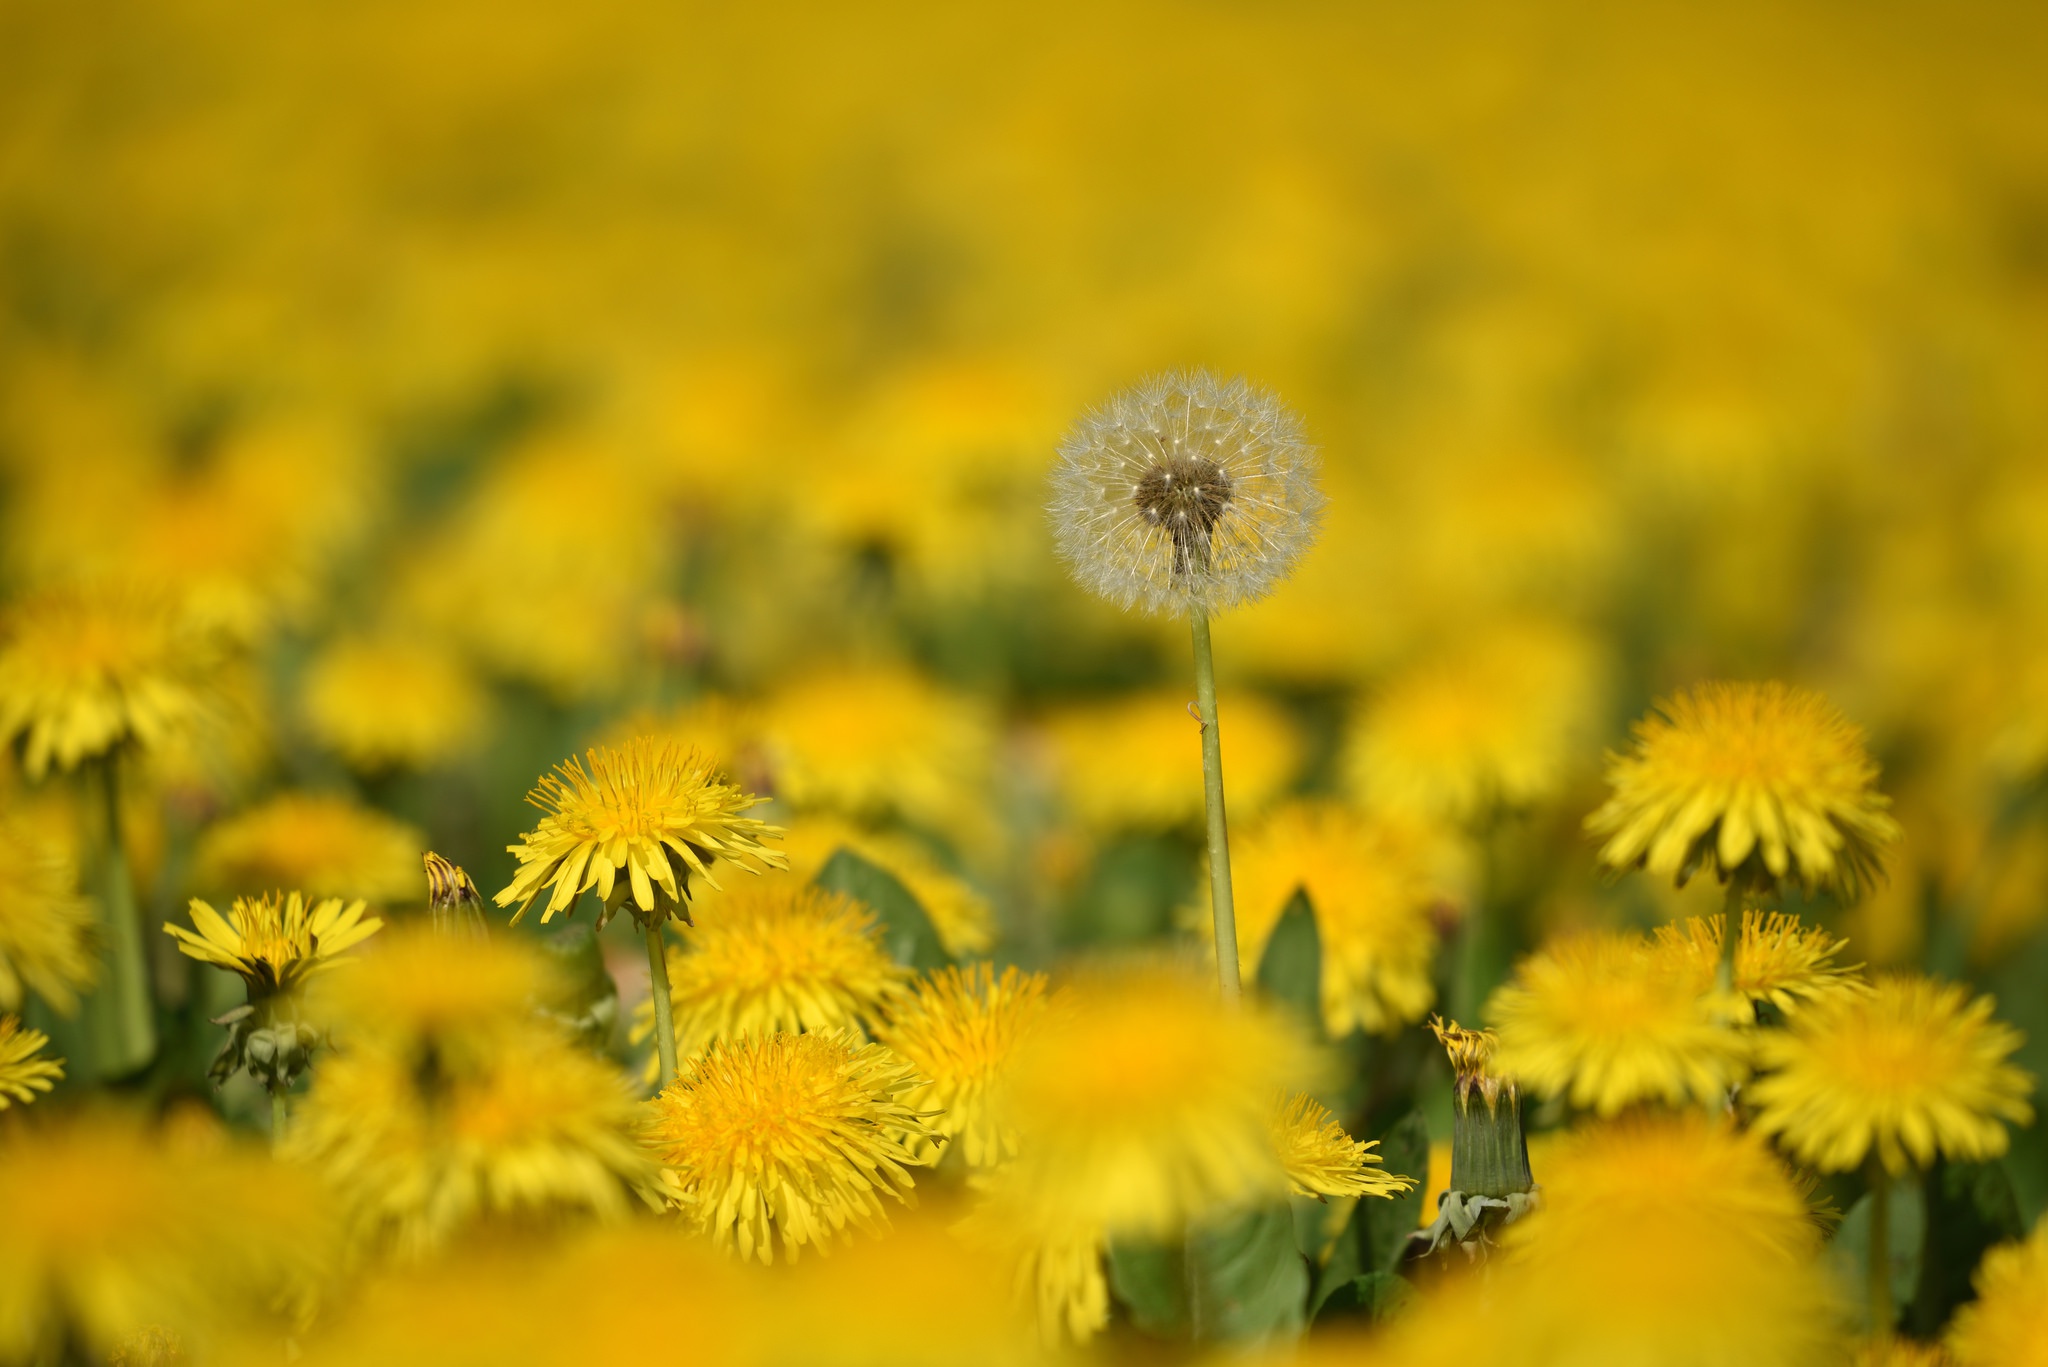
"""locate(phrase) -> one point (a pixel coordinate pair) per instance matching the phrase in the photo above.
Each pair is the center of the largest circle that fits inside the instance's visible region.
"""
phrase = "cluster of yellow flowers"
(689, 423)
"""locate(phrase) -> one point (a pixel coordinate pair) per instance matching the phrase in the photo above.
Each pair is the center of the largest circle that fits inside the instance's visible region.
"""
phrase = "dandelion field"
(1143, 683)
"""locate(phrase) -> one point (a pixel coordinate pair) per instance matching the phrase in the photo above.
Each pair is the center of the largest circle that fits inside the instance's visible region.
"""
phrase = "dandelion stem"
(664, 1008)
(121, 1013)
(277, 1118)
(1221, 904)
(1881, 1313)
(1731, 935)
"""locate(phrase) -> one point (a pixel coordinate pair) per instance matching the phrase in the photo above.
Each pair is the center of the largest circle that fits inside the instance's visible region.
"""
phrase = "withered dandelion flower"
(958, 1031)
(22, 1072)
(783, 956)
(47, 940)
(1186, 494)
(1320, 1160)
(1763, 783)
(789, 1137)
(85, 672)
(1606, 1020)
(1913, 1068)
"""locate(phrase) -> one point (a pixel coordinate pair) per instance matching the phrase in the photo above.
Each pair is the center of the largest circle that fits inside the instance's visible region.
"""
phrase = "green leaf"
(1246, 1280)
(1849, 1252)
(1385, 1223)
(906, 930)
(1341, 1263)
(1970, 1207)
(1376, 1296)
(1150, 1280)
(1291, 969)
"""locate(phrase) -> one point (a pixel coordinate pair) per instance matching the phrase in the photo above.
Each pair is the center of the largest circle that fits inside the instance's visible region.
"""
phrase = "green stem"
(1882, 1315)
(277, 1119)
(1221, 904)
(664, 1008)
(121, 1011)
(1731, 935)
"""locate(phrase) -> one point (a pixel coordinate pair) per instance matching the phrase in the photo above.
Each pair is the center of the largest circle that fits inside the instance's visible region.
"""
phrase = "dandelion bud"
(1185, 494)
(452, 897)
(1490, 1180)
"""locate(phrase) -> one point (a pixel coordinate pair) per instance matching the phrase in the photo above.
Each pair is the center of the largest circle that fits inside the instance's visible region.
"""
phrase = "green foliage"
(906, 930)
(1376, 1296)
(1291, 969)
(1246, 1280)
(1969, 1207)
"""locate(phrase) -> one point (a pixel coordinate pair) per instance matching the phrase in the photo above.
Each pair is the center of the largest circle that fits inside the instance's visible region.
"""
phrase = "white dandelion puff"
(1186, 494)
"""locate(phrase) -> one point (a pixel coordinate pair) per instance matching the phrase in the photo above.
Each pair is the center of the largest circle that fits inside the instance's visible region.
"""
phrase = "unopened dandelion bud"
(1490, 1180)
(453, 901)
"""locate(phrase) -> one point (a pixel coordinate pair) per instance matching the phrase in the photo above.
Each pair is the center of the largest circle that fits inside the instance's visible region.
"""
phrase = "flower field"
(1131, 683)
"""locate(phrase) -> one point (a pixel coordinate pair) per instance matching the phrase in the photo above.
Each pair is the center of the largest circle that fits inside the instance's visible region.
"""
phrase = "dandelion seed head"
(1186, 494)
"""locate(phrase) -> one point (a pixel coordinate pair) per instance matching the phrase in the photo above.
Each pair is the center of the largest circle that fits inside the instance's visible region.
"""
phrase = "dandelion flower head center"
(1184, 494)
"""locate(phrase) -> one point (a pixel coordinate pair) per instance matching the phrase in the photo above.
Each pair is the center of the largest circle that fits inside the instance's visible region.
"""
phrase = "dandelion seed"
(1187, 494)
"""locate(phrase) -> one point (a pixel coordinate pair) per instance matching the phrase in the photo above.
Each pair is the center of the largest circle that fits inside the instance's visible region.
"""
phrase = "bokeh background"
(494, 379)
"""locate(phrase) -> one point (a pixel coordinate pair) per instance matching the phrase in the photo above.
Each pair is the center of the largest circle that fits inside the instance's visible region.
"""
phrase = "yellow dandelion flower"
(1321, 1160)
(113, 1230)
(960, 914)
(389, 703)
(957, 1032)
(1056, 1263)
(1606, 1020)
(784, 956)
(416, 990)
(1141, 1101)
(512, 575)
(725, 731)
(1778, 960)
(1913, 1068)
(421, 1143)
(82, 673)
(1761, 781)
(1495, 722)
(276, 941)
(871, 743)
(1186, 493)
(1135, 762)
(657, 813)
(1374, 882)
(2002, 1327)
(789, 1136)
(1639, 1216)
(22, 1074)
(47, 942)
(1896, 1352)
(327, 845)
